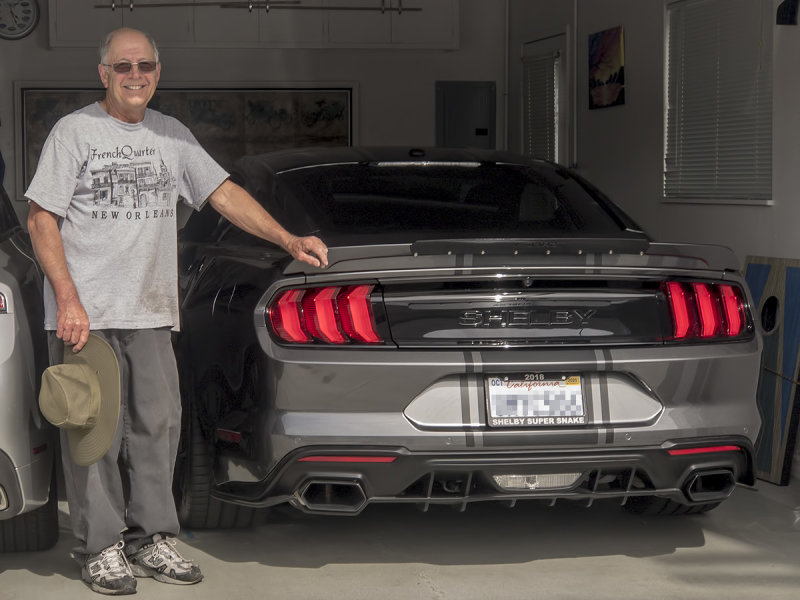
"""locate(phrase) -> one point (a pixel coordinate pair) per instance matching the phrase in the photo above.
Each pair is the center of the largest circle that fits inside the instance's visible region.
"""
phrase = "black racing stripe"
(480, 381)
(465, 382)
(605, 409)
(469, 364)
(588, 400)
(609, 360)
(481, 384)
(604, 394)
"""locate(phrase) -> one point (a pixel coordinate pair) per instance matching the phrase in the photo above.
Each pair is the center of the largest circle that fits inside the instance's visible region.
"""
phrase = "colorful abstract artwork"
(607, 68)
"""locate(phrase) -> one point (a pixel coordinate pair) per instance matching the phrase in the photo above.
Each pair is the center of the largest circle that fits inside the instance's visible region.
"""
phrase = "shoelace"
(112, 558)
(166, 548)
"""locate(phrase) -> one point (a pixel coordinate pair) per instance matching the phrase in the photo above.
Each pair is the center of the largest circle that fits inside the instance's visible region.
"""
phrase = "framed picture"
(228, 122)
(607, 68)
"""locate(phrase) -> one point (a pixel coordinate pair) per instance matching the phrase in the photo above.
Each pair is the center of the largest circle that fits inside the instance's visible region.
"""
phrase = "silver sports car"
(490, 328)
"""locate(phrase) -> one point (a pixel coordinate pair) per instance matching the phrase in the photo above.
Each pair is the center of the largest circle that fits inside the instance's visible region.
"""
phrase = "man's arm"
(241, 209)
(73, 322)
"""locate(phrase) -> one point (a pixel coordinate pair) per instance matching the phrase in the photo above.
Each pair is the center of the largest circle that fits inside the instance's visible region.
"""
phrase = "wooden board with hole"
(775, 286)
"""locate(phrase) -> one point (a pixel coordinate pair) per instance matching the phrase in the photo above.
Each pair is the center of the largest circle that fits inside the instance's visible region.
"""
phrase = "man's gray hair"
(106, 44)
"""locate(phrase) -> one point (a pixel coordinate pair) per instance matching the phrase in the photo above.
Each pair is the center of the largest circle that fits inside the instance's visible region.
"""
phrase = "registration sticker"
(535, 400)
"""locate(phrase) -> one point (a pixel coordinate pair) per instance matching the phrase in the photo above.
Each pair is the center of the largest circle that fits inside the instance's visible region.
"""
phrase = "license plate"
(535, 400)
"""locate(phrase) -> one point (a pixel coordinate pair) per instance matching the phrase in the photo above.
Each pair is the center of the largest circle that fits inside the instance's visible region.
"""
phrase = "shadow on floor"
(483, 534)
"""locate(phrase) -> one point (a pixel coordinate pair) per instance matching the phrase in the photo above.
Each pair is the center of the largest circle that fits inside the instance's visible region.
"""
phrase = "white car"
(28, 443)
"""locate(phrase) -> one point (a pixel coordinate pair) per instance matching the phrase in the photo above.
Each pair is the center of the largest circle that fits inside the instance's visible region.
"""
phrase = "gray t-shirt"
(115, 186)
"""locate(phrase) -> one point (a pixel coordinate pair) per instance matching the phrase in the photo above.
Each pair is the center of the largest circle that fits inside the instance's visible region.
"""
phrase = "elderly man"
(114, 271)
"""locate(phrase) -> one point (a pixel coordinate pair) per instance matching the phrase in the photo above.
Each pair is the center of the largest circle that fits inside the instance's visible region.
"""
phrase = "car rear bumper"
(25, 488)
(429, 411)
(344, 480)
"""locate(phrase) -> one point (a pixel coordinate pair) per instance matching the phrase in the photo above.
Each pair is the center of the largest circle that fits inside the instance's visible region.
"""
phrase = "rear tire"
(655, 505)
(194, 476)
(33, 531)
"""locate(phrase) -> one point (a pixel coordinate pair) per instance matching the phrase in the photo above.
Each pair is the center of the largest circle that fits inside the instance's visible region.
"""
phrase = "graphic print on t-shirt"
(135, 184)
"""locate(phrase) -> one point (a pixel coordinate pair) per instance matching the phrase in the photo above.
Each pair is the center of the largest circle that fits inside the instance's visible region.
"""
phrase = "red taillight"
(704, 450)
(680, 309)
(320, 316)
(331, 314)
(705, 310)
(284, 314)
(733, 307)
(356, 314)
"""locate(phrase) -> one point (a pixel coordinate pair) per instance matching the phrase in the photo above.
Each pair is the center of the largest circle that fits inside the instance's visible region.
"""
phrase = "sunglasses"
(145, 66)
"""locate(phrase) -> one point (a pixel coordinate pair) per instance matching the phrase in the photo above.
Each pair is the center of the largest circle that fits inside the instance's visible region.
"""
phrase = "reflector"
(227, 435)
(348, 459)
(705, 450)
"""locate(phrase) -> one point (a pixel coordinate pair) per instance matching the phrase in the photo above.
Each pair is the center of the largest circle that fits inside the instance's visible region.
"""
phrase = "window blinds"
(718, 138)
(540, 82)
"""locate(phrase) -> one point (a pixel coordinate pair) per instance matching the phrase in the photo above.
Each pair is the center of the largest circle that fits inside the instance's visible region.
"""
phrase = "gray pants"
(127, 494)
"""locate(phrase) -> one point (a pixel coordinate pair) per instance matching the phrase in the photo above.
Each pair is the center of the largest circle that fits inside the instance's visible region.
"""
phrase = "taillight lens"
(285, 316)
(733, 309)
(320, 316)
(330, 314)
(708, 310)
(705, 310)
(356, 315)
(682, 321)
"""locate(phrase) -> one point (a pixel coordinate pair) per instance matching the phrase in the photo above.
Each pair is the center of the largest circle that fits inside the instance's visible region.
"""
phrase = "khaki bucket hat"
(82, 397)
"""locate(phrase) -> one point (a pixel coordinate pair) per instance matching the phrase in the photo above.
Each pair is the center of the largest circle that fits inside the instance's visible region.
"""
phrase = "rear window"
(471, 199)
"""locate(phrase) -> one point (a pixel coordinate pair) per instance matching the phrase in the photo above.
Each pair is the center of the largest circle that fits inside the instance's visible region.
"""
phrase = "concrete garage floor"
(747, 548)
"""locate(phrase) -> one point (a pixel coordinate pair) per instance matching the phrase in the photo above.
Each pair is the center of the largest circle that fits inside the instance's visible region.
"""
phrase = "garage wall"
(529, 21)
(621, 148)
(396, 96)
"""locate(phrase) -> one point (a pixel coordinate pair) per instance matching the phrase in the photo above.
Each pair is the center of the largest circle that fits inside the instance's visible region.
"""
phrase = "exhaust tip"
(709, 486)
(332, 495)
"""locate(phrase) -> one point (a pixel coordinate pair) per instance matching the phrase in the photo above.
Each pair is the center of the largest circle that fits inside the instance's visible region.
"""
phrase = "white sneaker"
(108, 572)
(163, 562)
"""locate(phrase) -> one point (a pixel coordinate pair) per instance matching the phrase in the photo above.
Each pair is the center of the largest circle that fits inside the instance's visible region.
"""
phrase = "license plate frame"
(535, 400)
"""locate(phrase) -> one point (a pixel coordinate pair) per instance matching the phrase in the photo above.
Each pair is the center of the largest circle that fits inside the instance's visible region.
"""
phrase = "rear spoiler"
(374, 257)
(714, 257)
(540, 246)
